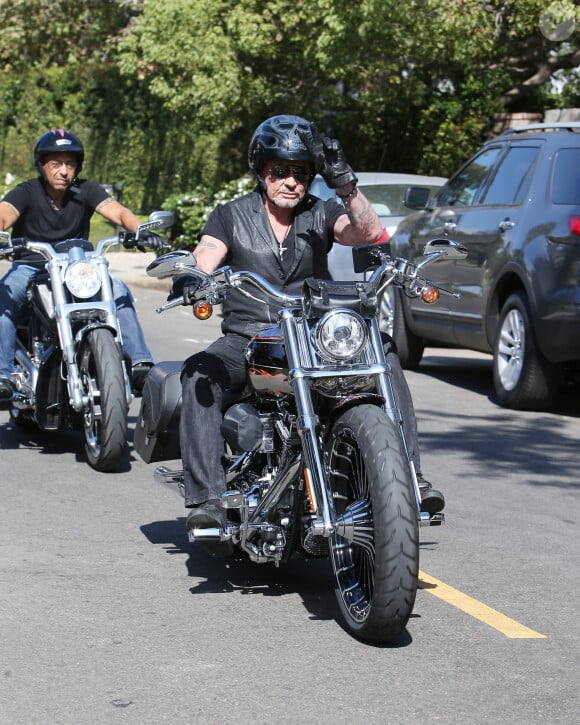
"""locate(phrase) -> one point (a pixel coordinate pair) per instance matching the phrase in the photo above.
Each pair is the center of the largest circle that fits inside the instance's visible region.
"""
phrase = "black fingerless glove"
(184, 285)
(328, 158)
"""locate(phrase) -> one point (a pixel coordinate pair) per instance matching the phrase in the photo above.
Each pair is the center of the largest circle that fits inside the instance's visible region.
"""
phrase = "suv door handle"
(450, 226)
(506, 225)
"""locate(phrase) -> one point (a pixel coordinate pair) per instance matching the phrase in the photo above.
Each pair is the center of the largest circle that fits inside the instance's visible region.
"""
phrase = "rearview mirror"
(161, 219)
(369, 256)
(170, 264)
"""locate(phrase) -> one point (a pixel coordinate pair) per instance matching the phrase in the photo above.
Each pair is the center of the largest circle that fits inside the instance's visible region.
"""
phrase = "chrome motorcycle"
(315, 456)
(70, 368)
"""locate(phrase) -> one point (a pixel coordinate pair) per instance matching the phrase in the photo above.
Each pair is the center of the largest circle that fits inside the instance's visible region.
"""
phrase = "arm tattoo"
(363, 218)
(103, 203)
(207, 244)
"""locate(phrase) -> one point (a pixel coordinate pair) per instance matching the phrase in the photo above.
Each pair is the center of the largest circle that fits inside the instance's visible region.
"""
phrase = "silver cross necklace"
(281, 246)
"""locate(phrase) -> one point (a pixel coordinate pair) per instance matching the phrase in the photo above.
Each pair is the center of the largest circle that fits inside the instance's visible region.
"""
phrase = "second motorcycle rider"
(284, 234)
(51, 208)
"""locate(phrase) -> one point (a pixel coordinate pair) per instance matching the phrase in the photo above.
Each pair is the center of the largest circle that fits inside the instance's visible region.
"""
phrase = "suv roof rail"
(572, 126)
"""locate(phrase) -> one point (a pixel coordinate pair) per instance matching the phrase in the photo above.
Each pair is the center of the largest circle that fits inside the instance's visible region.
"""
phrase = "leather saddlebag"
(157, 430)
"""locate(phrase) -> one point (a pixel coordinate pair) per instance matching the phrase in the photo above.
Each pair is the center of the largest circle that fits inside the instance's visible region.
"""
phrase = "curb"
(129, 266)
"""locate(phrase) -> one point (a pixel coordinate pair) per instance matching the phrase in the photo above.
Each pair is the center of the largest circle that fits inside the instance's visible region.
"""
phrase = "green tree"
(56, 66)
(166, 93)
(407, 86)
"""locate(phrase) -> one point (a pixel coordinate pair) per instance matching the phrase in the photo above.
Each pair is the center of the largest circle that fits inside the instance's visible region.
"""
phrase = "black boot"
(209, 515)
(138, 375)
(432, 501)
(6, 390)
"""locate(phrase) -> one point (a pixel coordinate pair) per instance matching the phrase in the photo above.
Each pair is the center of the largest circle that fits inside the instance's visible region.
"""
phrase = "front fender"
(82, 332)
(351, 401)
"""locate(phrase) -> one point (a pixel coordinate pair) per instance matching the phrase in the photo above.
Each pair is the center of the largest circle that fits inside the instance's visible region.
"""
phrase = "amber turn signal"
(430, 294)
(202, 310)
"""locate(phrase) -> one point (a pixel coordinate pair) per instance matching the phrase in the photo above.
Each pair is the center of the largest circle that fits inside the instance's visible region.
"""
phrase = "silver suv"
(516, 207)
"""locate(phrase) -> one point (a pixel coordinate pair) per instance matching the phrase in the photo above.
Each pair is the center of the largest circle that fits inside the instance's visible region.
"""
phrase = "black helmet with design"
(58, 140)
(277, 138)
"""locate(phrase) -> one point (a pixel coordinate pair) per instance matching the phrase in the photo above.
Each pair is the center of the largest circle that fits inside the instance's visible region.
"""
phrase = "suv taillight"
(574, 224)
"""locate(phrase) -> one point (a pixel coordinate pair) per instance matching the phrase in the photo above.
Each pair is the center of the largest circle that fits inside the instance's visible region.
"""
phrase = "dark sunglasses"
(300, 173)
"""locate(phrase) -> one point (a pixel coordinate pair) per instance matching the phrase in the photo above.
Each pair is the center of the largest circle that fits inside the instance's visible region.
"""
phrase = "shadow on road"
(475, 374)
(311, 579)
(537, 447)
(14, 437)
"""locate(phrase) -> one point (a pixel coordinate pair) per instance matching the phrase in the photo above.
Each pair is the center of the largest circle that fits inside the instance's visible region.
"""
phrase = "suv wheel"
(522, 377)
(409, 347)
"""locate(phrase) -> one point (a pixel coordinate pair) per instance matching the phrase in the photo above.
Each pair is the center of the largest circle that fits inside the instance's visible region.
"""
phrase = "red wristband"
(383, 238)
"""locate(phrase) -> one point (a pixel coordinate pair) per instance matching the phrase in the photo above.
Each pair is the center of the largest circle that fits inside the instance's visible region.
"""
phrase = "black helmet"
(56, 141)
(277, 138)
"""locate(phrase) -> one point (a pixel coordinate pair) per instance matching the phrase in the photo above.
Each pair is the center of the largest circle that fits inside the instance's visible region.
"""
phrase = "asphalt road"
(108, 615)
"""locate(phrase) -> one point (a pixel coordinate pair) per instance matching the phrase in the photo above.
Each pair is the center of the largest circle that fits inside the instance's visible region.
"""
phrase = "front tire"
(523, 379)
(375, 549)
(105, 416)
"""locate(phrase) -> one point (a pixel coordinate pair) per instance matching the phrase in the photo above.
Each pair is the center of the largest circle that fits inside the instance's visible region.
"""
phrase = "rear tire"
(376, 569)
(105, 417)
(523, 379)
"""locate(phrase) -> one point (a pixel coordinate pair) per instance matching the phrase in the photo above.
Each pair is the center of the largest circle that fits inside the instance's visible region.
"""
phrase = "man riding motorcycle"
(284, 234)
(55, 206)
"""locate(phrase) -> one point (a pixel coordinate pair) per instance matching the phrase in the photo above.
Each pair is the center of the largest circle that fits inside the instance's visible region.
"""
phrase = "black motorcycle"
(70, 368)
(314, 451)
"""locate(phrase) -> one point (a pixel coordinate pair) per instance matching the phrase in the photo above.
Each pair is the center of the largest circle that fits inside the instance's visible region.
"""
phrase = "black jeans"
(205, 377)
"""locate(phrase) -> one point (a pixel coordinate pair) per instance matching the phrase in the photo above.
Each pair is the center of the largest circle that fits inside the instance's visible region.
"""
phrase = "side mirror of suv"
(417, 197)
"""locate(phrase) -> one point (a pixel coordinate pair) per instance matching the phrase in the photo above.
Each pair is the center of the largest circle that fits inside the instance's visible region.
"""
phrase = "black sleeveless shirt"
(243, 226)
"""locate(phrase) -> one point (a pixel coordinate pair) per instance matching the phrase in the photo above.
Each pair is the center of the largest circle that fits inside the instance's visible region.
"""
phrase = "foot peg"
(162, 474)
(215, 542)
(213, 534)
(426, 519)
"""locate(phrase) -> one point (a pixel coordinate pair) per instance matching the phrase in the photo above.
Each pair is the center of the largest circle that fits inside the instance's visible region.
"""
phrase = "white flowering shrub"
(193, 208)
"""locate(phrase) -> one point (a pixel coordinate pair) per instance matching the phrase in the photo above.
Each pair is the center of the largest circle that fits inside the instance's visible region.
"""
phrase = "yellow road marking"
(509, 627)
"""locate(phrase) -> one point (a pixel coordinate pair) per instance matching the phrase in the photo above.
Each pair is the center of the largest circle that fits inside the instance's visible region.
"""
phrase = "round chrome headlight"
(82, 280)
(340, 335)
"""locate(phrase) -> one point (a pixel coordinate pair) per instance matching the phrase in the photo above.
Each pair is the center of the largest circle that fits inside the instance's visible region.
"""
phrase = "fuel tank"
(268, 364)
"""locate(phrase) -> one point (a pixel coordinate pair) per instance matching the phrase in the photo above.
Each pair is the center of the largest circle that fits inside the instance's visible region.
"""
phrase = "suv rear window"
(566, 177)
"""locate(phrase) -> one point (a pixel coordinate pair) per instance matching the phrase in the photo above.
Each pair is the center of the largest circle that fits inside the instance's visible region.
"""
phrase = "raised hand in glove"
(184, 285)
(150, 240)
(328, 157)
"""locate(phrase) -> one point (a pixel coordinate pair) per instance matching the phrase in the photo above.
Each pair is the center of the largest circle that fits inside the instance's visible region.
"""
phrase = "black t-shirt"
(39, 221)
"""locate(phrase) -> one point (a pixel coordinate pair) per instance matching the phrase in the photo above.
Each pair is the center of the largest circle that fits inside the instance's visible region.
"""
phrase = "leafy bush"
(193, 208)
